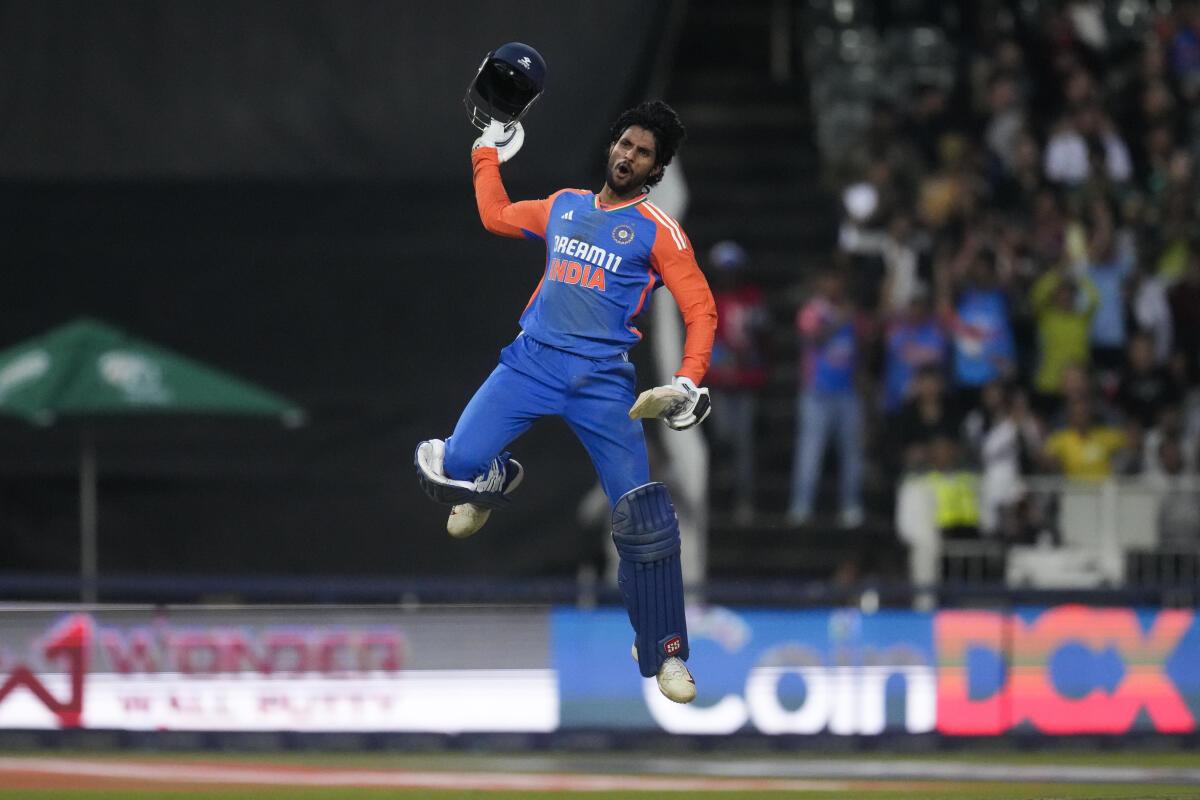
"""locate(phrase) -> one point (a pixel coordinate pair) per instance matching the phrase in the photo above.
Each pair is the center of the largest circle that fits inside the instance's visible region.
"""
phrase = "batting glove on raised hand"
(506, 141)
(692, 411)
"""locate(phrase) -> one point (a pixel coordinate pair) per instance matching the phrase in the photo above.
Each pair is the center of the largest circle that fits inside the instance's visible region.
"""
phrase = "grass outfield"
(948, 792)
(65, 775)
(451, 760)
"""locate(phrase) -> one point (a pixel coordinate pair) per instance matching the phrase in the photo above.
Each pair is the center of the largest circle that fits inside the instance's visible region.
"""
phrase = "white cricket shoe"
(467, 518)
(674, 680)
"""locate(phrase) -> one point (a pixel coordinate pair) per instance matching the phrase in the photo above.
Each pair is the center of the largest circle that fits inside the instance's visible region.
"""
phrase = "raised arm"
(501, 216)
(675, 261)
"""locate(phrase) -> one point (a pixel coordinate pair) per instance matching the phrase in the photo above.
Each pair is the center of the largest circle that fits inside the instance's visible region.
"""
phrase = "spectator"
(901, 261)
(868, 204)
(979, 321)
(1064, 311)
(998, 201)
(950, 194)
(1173, 220)
(828, 404)
(1048, 227)
(1006, 121)
(882, 141)
(1006, 438)
(739, 365)
(929, 414)
(1146, 388)
(1078, 384)
(1185, 50)
(1140, 104)
(1066, 159)
(928, 120)
(1179, 509)
(915, 340)
(955, 491)
(1152, 311)
(1170, 427)
(1016, 187)
(1184, 299)
(1084, 450)
(1160, 151)
(1109, 276)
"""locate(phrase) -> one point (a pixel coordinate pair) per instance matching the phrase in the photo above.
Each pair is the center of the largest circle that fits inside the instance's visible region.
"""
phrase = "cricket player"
(606, 251)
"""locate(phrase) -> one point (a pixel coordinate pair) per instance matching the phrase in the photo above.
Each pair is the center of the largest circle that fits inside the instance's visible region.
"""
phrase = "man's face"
(983, 273)
(631, 160)
(928, 385)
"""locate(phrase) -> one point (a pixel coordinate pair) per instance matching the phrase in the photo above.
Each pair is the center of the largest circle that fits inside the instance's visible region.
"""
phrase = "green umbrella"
(87, 369)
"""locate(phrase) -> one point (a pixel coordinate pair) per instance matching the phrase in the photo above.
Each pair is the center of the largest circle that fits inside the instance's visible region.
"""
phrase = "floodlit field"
(446, 776)
(949, 793)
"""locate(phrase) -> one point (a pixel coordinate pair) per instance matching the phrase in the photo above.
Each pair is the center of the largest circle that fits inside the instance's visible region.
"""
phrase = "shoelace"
(674, 668)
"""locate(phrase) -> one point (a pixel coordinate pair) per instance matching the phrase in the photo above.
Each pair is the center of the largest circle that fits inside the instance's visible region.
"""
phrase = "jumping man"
(606, 252)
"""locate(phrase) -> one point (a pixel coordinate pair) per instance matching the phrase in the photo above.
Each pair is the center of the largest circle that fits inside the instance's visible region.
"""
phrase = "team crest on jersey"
(623, 234)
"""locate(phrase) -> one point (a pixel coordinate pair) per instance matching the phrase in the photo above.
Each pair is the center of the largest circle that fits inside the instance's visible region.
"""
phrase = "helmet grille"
(505, 88)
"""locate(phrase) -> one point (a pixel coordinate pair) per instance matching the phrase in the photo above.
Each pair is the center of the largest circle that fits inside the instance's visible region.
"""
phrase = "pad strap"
(645, 527)
(445, 490)
(646, 535)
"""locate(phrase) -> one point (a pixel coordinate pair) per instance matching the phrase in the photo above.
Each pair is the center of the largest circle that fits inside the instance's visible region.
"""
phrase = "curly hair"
(662, 121)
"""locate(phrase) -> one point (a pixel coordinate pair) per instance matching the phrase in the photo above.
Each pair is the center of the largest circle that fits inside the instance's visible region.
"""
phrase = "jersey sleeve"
(501, 216)
(673, 258)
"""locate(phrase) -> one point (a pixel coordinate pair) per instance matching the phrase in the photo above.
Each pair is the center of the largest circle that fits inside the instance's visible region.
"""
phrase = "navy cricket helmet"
(507, 83)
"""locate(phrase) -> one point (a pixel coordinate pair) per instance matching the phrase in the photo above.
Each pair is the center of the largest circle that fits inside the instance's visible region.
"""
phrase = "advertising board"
(301, 670)
(1059, 670)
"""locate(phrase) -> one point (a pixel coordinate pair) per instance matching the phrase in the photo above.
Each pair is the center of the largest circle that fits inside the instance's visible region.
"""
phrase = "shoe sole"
(464, 533)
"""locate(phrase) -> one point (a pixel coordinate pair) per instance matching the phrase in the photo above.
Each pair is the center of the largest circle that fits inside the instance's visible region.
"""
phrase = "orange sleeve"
(673, 258)
(525, 219)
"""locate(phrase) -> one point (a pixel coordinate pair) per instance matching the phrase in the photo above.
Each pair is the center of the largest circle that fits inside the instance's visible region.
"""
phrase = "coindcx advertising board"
(1061, 670)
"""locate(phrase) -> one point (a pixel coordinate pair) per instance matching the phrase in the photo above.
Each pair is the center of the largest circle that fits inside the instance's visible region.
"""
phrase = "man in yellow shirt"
(1083, 450)
(1064, 311)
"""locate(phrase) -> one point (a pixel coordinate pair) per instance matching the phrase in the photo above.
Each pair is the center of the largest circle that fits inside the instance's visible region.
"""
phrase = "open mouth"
(622, 170)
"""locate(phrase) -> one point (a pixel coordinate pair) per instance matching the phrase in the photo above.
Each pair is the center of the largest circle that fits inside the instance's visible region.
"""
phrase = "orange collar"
(617, 207)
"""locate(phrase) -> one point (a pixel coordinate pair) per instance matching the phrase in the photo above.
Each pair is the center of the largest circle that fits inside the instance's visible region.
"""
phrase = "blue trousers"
(821, 416)
(534, 380)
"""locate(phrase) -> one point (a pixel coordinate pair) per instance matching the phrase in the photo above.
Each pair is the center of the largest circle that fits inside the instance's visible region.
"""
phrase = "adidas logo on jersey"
(569, 215)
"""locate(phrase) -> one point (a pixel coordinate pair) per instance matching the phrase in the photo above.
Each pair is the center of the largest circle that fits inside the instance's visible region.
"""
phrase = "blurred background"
(994, 205)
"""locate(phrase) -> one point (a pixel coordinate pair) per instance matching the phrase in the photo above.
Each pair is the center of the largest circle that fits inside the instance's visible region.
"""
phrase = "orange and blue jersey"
(830, 350)
(602, 264)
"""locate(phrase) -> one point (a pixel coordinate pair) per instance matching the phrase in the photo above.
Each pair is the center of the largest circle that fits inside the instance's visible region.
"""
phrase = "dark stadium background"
(283, 190)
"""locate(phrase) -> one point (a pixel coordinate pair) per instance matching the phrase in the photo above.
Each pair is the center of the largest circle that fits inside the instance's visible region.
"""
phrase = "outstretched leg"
(470, 470)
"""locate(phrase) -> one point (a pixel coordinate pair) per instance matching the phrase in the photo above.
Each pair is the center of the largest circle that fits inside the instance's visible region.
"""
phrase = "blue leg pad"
(646, 533)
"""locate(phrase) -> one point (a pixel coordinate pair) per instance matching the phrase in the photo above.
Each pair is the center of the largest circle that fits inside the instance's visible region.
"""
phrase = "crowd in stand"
(1016, 288)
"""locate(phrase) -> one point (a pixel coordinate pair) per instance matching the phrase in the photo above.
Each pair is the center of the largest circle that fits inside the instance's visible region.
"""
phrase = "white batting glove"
(692, 411)
(506, 142)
